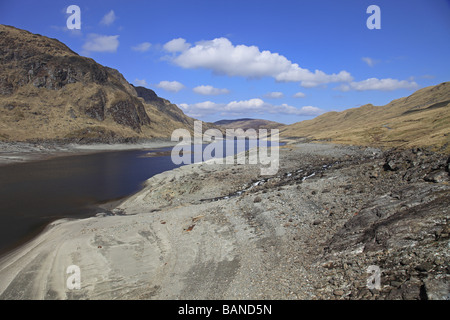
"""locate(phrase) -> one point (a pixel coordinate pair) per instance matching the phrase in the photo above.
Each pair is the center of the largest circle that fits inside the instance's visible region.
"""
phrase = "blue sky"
(279, 60)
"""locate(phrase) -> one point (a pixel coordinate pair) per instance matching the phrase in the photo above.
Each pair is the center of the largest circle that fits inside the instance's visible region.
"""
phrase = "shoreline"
(93, 210)
(13, 153)
(29, 152)
(294, 235)
(20, 152)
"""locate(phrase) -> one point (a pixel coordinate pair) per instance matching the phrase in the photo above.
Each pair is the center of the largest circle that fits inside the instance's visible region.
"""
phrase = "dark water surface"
(33, 194)
(36, 193)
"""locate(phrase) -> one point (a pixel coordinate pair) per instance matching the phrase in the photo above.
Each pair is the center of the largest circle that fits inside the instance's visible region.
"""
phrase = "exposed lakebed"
(308, 232)
(33, 194)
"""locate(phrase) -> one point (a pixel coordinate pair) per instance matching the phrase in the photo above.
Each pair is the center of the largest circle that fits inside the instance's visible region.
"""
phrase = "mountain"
(164, 106)
(419, 120)
(49, 92)
(247, 123)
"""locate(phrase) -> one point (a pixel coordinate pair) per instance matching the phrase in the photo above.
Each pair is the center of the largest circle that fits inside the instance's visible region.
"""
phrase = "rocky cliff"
(163, 105)
(47, 91)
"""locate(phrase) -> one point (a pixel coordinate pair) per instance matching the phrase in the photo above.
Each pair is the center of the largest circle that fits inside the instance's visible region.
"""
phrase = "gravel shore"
(209, 231)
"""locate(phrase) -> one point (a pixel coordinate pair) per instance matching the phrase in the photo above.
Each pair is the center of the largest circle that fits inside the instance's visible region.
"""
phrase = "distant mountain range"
(419, 120)
(48, 92)
(248, 123)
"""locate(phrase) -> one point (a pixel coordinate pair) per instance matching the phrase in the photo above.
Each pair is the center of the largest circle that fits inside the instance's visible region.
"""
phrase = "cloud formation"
(210, 90)
(176, 45)
(370, 62)
(379, 84)
(142, 47)
(253, 106)
(108, 18)
(222, 57)
(172, 86)
(141, 83)
(274, 95)
(101, 43)
(299, 95)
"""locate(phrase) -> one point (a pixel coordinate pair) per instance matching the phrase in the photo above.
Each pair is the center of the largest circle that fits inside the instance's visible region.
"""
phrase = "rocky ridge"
(48, 92)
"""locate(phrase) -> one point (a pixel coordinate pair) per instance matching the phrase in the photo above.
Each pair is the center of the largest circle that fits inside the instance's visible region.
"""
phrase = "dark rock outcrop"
(96, 105)
(163, 105)
(129, 113)
(29, 59)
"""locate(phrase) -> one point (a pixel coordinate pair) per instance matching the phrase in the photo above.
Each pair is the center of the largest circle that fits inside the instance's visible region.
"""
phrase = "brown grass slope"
(48, 92)
(419, 120)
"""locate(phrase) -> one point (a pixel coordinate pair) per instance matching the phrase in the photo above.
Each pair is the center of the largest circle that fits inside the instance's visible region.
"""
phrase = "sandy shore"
(208, 231)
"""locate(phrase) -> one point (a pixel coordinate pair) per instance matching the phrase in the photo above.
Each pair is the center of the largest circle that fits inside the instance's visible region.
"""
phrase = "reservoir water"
(36, 193)
(33, 194)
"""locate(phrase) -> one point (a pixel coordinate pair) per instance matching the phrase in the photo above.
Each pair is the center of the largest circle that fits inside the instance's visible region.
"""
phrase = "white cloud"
(210, 90)
(172, 86)
(309, 79)
(101, 43)
(108, 18)
(222, 57)
(306, 111)
(200, 109)
(141, 83)
(379, 84)
(252, 106)
(142, 47)
(370, 62)
(299, 95)
(274, 95)
(176, 45)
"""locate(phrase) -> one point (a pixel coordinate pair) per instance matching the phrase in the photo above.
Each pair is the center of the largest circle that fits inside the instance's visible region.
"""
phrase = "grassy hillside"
(419, 120)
